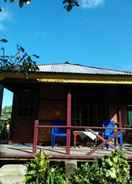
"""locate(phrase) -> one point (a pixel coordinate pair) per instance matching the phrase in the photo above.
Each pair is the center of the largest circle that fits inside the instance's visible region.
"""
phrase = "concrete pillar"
(70, 166)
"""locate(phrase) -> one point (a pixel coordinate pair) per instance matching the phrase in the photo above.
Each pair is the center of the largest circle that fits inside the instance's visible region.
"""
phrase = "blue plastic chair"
(109, 131)
(57, 132)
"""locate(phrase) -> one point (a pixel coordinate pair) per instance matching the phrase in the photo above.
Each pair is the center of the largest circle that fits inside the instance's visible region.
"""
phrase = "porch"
(19, 152)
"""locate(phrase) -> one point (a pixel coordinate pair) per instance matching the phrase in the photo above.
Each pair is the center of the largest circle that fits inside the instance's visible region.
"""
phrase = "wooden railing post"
(35, 136)
(68, 131)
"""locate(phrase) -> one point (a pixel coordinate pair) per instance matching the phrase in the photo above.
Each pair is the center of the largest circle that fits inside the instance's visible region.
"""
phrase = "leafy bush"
(84, 174)
(4, 122)
(112, 169)
(56, 176)
(40, 172)
(37, 170)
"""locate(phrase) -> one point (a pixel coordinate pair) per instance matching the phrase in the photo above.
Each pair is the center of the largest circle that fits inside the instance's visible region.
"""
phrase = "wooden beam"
(70, 78)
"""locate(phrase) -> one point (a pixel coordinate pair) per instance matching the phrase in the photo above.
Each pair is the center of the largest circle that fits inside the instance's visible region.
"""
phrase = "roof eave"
(70, 78)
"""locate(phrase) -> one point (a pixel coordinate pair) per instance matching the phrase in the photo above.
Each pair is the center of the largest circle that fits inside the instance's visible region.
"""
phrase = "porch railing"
(75, 129)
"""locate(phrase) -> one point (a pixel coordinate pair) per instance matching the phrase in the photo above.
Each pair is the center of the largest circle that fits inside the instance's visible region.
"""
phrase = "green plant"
(111, 169)
(84, 174)
(4, 122)
(40, 172)
(6, 113)
(56, 176)
(3, 130)
(69, 4)
(37, 169)
(20, 62)
(114, 168)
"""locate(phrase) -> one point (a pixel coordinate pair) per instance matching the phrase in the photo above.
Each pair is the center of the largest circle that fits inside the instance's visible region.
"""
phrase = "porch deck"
(24, 152)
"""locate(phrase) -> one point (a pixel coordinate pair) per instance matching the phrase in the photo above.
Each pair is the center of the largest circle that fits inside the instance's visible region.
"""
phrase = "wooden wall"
(25, 107)
(52, 104)
(93, 104)
(44, 102)
(32, 103)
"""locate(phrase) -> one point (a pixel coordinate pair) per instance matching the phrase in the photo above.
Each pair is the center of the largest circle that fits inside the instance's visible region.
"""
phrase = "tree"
(20, 62)
(68, 4)
(6, 113)
(4, 122)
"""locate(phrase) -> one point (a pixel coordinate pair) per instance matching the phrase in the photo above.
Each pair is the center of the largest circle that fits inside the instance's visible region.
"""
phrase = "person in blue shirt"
(112, 134)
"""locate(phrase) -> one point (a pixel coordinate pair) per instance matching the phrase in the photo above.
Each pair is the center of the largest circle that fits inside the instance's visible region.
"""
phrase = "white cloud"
(4, 17)
(90, 3)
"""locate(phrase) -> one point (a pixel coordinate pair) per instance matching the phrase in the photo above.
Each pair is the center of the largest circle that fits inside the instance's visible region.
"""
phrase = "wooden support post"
(68, 132)
(35, 136)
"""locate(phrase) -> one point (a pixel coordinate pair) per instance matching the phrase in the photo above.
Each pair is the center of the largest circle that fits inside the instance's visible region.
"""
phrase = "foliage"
(112, 169)
(6, 112)
(3, 130)
(20, 62)
(40, 172)
(4, 120)
(84, 174)
(56, 176)
(68, 4)
(20, 2)
(37, 170)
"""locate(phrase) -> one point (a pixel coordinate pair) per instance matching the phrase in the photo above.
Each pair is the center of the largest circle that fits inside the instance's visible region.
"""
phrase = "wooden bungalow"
(82, 96)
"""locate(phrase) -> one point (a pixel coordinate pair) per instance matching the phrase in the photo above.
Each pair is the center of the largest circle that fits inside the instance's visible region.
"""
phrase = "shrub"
(40, 172)
(114, 168)
(56, 176)
(111, 169)
(84, 174)
(37, 170)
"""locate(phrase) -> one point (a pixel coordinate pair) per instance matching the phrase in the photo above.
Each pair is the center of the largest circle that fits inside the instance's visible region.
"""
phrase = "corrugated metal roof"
(79, 69)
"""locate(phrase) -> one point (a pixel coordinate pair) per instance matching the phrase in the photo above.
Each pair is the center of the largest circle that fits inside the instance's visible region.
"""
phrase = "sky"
(98, 33)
